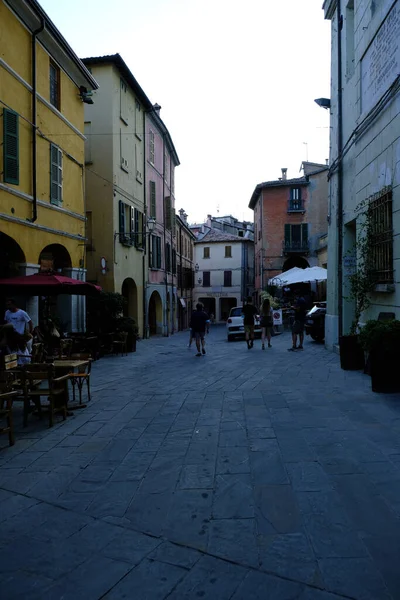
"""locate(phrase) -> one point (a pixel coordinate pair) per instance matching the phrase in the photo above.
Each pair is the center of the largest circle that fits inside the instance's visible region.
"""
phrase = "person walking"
(249, 312)
(267, 321)
(199, 324)
(300, 309)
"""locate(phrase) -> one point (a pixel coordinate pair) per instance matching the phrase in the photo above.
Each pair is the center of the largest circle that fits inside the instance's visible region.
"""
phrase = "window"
(381, 218)
(168, 213)
(131, 225)
(206, 252)
(174, 262)
(137, 227)
(172, 180)
(259, 234)
(296, 238)
(153, 199)
(55, 175)
(151, 147)
(206, 279)
(138, 120)
(155, 254)
(168, 257)
(124, 150)
(227, 278)
(228, 251)
(241, 233)
(10, 147)
(55, 85)
(124, 102)
(166, 166)
(349, 38)
(295, 201)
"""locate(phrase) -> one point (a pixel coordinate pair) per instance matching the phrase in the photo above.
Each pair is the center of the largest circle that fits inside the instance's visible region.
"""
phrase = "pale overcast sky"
(236, 81)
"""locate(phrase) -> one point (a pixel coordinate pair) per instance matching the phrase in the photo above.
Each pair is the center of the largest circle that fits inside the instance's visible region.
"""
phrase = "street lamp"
(196, 267)
(323, 102)
(151, 223)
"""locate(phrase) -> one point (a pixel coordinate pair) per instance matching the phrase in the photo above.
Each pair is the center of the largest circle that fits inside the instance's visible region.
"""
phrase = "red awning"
(47, 284)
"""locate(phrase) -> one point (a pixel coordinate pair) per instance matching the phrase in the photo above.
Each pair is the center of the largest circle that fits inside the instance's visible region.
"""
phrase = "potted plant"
(128, 325)
(381, 339)
(362, 283)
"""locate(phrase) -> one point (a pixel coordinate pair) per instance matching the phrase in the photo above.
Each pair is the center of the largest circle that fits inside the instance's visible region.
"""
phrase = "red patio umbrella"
(47, 284)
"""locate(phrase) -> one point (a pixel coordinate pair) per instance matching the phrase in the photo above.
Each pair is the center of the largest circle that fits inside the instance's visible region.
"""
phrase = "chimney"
(327, 162)
(157, 108)
(284, 174)
(209, 220)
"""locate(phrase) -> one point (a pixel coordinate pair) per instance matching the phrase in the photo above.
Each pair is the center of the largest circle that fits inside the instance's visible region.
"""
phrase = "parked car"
(315, 322)
(234, 324)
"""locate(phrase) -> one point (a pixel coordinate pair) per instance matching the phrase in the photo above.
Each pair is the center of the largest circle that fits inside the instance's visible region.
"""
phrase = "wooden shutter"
(167, 206)
(121, 206)
(227, 278)
(153, 199)
(174, 261)
(55, 174)
(158, 265)
(136, 226)
(206, 279)
(10, 147)
(304, 234)
(152, 252)
(288, 229)
(142, 241)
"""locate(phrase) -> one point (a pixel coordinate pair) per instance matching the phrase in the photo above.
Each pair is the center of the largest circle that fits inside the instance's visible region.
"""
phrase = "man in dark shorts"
(199, 324)
(300, 308)
(249, 312)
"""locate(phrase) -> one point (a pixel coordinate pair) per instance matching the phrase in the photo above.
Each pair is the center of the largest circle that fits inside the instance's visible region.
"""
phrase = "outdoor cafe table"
(69, 366)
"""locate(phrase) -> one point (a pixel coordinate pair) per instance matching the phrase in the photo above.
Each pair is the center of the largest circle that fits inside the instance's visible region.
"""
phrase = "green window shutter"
(158, 265)
(55, 174)
(152, 253)
(288, 230)
(10, 147)
(167, 206)
(121, 206)
(136, 227)
(153, 199)
(304, 234)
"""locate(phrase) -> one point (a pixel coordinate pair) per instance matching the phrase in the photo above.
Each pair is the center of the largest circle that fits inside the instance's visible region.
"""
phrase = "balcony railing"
(300, 247)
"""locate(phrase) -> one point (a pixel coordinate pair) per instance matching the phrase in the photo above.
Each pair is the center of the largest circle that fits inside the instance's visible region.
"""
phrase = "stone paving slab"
(241, 474)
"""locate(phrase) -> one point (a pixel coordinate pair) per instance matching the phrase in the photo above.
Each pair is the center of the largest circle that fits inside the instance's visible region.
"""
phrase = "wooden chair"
(6, 400)
(83, 374)
(120, 343)
(40, 380)
(37, 353)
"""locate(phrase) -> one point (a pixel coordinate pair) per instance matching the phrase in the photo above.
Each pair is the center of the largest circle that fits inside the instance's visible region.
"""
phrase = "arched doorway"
(54, 258)
(155, 314)
(129, 292)
(295, 261)
(11, 256)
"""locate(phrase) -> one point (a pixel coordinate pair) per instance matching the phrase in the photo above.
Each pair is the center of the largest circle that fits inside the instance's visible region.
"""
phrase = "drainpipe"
(34, 123)
(340, 172)
(145, 236)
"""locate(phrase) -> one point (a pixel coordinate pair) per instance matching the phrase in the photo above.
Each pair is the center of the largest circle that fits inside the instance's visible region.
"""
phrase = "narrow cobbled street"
(240, 475)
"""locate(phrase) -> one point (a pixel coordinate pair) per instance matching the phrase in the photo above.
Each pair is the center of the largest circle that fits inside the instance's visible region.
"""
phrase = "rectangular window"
(165, 166)
(155, 255)
(206, 252)
(174, 262)
(381, 218)
(173, 180)
(168, 257)
(137, 227)
(138, 120)
(153, 199)
(296, 238)
(10, 147)
(168, 213)
(55, 175)
(228, 251)
(295, 201)
(151, 147)
(206, 279)
(350, 38)
(227, 278)
(54, 76)
(124, 101)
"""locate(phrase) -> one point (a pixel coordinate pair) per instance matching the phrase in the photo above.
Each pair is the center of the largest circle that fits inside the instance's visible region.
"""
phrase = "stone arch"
(11, 256)
(54, 257)
(129, 292)
(295, 261)
(155, 314)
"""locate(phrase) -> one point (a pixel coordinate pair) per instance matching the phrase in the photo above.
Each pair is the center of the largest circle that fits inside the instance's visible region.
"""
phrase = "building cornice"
(329, 8)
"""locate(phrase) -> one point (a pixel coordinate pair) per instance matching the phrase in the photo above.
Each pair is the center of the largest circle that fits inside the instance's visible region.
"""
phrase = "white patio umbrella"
(296, 275)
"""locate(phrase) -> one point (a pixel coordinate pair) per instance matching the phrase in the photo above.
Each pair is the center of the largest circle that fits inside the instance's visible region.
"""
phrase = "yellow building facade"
(43, 88)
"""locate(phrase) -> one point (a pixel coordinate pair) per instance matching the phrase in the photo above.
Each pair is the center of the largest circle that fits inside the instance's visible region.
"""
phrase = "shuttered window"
(155, 256)
(55, 175)
(10, 147)
(54, 77)
(174, 262)
(151, 147)
(206, 278)
(168, 257)
(153, 199)
(168, 213)
(296, 238)
(227, 278)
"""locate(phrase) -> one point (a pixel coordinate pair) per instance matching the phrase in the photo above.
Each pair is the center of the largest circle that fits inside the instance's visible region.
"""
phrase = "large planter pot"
(384, 370)
(351, 353)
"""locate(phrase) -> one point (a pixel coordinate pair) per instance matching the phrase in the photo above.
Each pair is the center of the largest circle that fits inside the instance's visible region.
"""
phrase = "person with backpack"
(199, 324)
